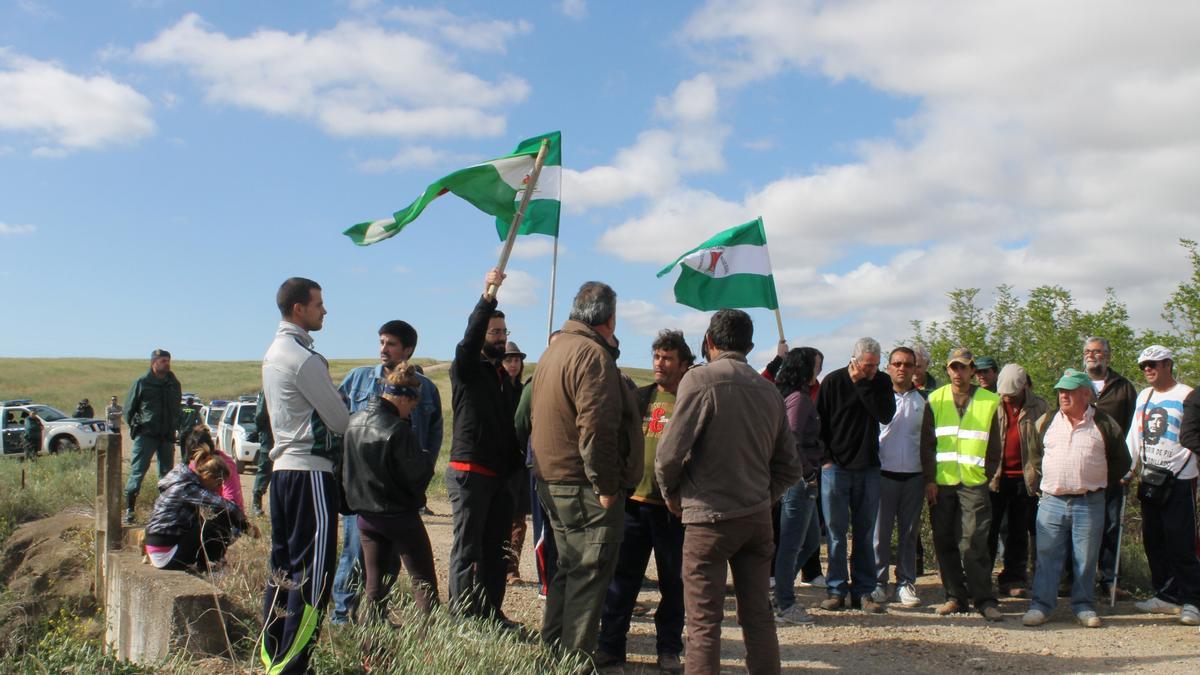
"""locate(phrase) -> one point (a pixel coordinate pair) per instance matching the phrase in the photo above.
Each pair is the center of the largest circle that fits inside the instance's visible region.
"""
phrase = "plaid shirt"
(179, 501)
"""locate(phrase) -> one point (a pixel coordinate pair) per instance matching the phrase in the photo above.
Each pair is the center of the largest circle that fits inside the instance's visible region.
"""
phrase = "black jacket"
(178, 505)
(484, 402)
(1118, 400)
(384, 469)
(851, 413)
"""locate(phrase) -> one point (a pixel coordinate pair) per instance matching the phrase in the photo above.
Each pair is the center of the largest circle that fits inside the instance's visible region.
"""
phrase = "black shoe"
(603, 659)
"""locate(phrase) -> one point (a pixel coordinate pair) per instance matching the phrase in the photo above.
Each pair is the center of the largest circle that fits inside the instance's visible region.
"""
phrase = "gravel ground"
(901, 640)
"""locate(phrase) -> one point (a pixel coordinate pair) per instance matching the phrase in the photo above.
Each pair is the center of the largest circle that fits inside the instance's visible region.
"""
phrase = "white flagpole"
(767, 249)
(520, 214)
(553, 280)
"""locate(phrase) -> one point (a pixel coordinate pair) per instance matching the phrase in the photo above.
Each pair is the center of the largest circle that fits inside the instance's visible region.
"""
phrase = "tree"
(1182, 314)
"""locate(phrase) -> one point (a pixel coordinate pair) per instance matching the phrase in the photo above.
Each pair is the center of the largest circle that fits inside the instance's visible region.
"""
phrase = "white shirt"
(900, 441)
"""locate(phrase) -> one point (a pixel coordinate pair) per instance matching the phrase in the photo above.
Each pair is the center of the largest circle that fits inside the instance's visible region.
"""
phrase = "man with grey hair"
(587, 457)
(1116, 396)
(853, 402)
(922, 379)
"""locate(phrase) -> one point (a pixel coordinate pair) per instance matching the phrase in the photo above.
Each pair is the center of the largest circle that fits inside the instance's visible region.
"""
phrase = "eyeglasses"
(903, 364)
(1149, 365)
(499, 331)
(1093, 351)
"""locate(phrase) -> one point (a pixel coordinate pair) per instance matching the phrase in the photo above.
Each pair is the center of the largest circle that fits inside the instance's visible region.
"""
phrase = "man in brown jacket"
(1015, 483)
(587, 455)
(721, 473)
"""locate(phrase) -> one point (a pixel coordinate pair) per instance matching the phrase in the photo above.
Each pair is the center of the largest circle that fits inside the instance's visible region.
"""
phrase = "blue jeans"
(799, 538)
(850, 497)
(347, 582)
(1067, 523)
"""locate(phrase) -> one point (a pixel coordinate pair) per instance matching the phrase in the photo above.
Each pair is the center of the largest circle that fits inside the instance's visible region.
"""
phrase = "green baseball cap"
(985, 362)
(1072, 379)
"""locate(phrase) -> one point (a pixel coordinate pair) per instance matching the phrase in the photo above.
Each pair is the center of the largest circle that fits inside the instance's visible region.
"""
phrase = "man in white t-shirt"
(1168, 528)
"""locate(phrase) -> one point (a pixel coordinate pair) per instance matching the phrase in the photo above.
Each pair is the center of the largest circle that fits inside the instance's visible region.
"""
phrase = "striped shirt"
(1074, 460)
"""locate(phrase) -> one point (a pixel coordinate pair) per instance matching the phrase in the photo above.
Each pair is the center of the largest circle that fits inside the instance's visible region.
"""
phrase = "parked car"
(186, 395)
(211, 414)
(237, 423)
(61, 432)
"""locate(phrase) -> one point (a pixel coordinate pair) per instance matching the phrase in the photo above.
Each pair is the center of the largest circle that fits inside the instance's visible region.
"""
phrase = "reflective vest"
(962, 441)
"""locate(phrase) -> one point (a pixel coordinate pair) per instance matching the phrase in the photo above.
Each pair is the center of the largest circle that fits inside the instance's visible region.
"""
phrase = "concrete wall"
(151, 612)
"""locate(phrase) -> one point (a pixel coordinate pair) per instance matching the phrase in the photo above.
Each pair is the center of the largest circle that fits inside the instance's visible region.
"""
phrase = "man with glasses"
(484, 452)
(1169, 524)
(1115, 396)
(900, 484)
(960, 451)
(853, 402)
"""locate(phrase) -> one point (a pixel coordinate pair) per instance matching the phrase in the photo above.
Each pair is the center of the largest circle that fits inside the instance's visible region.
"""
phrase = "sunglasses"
(903, 364)
(1149, 365)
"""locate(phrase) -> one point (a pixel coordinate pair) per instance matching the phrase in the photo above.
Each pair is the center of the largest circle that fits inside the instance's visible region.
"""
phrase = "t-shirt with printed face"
(1154, 435)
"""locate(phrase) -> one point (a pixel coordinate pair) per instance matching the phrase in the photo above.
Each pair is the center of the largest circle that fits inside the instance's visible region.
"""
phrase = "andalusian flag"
(541, 216)
(730, 270)
(494, 187)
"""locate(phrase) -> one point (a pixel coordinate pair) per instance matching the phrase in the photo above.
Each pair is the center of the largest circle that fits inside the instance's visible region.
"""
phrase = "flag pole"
(779, 324)
(767, 249)
(553, 279)
(520, 214)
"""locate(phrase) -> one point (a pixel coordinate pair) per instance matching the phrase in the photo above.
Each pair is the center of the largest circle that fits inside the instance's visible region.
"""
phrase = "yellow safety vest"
(962, 441)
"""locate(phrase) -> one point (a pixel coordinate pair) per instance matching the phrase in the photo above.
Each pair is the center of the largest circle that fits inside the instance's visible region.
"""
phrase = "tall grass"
(51, 484)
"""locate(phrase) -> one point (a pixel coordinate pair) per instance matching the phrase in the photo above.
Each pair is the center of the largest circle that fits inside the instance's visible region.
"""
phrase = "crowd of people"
(714, 468)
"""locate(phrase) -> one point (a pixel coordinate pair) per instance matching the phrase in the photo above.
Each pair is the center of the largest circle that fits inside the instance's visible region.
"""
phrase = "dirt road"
(902, 640)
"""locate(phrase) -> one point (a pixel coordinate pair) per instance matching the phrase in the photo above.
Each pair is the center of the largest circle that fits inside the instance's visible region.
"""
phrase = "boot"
(257, 509)
(130, 504)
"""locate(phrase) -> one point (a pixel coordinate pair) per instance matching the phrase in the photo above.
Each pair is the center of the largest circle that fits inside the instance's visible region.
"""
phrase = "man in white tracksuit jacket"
(306, 412)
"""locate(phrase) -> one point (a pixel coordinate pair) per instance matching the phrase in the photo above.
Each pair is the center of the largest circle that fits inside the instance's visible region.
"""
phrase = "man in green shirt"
(649, 526)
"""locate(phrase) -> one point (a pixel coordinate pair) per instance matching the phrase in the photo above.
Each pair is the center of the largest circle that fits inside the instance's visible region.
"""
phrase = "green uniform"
(152, 413)
(33, 436)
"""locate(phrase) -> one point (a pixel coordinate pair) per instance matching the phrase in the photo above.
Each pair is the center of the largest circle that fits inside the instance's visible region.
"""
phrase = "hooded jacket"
(152, 407)
(178, 506)
(586, 420)
(1031, 411)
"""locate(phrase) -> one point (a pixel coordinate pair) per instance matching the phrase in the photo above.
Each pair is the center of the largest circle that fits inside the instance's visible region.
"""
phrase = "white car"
(211, 414)
(237, 423)
(59, 434)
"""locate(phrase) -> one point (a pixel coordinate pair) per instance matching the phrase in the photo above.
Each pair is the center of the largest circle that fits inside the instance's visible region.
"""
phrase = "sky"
(165, 165)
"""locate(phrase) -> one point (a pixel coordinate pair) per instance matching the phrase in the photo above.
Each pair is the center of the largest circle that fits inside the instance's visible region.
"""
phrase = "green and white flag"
(494, 187)
(730, 270)
(541, 216)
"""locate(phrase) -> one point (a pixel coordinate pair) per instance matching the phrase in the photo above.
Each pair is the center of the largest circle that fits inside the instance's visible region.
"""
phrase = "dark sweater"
(851, 413)
(484, 402)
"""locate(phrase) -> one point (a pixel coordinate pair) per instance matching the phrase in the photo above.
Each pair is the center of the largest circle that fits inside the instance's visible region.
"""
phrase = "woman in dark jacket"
(192, 525)
(385, 472)
(799, 530)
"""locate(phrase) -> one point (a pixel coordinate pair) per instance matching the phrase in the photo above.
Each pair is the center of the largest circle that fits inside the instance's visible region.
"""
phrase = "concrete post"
(108, 506)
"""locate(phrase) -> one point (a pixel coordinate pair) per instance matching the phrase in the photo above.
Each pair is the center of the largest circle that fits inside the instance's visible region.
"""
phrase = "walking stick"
(1112, 591)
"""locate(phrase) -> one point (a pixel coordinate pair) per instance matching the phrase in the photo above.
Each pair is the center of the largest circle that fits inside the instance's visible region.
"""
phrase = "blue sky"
(164, 165)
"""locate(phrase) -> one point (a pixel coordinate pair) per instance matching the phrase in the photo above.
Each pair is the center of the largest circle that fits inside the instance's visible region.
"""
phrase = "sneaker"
(833, 603)
(907, 595)
(991, 612)
(816, 582)
(948, 607)
(669, 663)
(1035, 617)
(869, 606)
(257, 511)
(772, 581)
(129, 518)
(794, 615)
(426, 511)
(1157, 606)
(1088, 619)
(880, 593)
(1189, 615)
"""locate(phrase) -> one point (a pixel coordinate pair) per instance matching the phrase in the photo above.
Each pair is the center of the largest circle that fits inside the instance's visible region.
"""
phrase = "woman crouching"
(385, 472)
(192, 525)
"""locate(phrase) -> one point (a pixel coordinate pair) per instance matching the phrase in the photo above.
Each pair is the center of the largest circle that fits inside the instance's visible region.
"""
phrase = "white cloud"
(345, 79)
(14, 230)
(529, 246)
(575, 9)
(655, 162)
(64, 111)
(411, 157)
(519, 289)
(484, 36)
(647, 318)
(1067, 160)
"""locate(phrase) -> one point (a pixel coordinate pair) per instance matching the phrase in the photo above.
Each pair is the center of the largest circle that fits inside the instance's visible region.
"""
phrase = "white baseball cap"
(1155, 353)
